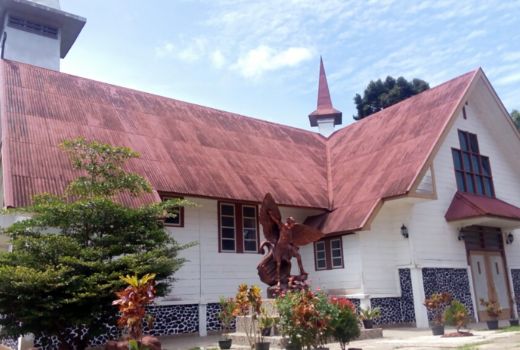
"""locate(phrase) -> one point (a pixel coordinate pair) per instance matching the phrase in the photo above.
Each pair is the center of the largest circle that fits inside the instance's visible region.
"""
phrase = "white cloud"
(164, 50)
(187, 52)
(508, 79)
(218, 59)
(263, 58)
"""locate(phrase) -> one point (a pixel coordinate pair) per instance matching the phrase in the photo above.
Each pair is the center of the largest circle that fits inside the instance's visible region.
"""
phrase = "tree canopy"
(382, 94)
(515, 114)
(68, 255)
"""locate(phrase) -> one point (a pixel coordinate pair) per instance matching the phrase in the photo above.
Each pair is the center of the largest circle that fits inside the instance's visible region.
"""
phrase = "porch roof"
(473, 209)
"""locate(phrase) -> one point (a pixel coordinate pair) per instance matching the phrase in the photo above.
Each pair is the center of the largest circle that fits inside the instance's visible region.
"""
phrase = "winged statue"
(282, 240)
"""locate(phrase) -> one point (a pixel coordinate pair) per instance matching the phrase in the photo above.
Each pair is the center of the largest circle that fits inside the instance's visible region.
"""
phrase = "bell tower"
(325, 117)
(37, 32)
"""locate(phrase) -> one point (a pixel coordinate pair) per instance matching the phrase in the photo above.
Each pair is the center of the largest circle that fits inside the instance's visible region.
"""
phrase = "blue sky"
(261, 58)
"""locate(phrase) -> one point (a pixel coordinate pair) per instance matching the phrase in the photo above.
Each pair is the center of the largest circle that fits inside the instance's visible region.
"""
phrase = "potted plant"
(227, 306)
(132, 302)
(368, 315)
(493, 310)
(344, 323)
(248, 303)
(457, 315)
(265, 322)
(436, 304)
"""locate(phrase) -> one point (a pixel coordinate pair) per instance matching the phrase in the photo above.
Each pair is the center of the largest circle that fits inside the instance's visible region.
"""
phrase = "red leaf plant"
(132, 303)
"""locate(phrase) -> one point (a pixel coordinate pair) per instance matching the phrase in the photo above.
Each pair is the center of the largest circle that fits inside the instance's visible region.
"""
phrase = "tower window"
(33, 27)
(472, 170)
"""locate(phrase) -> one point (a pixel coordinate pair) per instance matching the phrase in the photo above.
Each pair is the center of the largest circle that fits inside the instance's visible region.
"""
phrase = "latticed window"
(328, 254)
(238, 227)
(472, 170)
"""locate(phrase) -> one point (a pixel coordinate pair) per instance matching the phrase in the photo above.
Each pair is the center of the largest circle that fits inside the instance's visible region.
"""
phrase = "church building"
(421, 197)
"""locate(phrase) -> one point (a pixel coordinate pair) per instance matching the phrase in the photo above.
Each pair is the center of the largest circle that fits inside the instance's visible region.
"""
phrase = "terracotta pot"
(492, 324)
(438, 329)
(368, 324)
(225, 344)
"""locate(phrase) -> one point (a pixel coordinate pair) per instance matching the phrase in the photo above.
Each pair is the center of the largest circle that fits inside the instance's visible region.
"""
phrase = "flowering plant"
(305, 317)
(344, 323)
(436, 304)
(457, 315)
(492, 308)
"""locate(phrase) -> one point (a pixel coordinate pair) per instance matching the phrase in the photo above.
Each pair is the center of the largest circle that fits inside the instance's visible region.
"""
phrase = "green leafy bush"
(456, 314)
(344, 322)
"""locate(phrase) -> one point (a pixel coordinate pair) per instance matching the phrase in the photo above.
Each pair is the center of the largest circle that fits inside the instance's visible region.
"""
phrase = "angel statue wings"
(283, 240)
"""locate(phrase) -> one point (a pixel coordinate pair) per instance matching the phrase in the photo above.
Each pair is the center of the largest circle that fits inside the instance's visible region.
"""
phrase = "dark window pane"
(320, 246)
(488, 187)
(250, 234)
(473, 143)
(321, 264)
(486, 168)
(480, 185)
(249, 212)
(228, 221)
(462, 140)
(336, 253)
(321, 255)
(337, 262)
(174, 220)
(250, 223)
(460, 181)
(335, 243)
(250, 246)
(469, 183)
(467, 164)
(227, 209)
(474, 162)
(228, 233)
(228, 244)
(457, 162)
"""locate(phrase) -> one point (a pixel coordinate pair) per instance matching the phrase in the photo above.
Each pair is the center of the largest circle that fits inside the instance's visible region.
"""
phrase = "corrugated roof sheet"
(185, 148)
(195, 150)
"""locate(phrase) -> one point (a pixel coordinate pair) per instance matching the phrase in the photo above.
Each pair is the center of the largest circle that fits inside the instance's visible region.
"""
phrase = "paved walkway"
(399, 338)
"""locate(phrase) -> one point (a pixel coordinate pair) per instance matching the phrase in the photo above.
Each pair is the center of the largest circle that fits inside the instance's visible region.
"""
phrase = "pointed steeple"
(325, 111)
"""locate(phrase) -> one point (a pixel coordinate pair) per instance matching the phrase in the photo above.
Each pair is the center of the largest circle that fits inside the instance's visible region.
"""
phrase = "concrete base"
(279, 342)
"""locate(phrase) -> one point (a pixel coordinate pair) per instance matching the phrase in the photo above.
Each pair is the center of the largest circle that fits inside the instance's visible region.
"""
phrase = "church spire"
(325, 117)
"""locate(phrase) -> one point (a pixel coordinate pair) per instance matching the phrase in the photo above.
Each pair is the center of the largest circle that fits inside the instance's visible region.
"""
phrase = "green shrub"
(456, 315)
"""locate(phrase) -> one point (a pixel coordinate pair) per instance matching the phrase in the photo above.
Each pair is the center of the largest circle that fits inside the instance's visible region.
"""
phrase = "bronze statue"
(283, 241)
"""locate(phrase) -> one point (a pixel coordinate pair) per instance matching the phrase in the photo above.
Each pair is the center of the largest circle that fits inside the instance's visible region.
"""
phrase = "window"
(328, 254)
(178, 219)
(238, 227)
(33, 27)
(472, 170)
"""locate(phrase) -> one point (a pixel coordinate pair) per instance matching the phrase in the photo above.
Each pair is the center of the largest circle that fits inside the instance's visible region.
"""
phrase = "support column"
(203, 328)
(421, 314)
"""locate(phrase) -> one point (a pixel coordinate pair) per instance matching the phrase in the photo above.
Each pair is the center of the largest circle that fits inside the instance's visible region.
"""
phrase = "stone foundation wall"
(398, 310)
(454, 281)
(515, 275)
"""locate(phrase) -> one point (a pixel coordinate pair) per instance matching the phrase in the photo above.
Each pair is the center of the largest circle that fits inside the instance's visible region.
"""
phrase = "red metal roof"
(194, 150)
(467, 206)
(380, 156)
(185, 148)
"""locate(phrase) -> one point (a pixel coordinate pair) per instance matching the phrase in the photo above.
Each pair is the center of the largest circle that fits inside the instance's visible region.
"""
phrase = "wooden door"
(490, 281)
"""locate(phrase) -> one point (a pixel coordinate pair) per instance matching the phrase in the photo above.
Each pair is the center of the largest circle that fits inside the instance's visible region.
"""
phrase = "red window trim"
(180, 214)
(239, 229)
(470, 172)
(328, 254)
